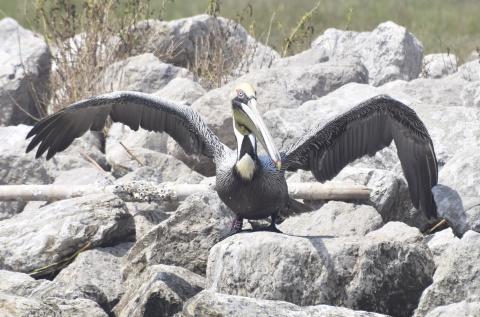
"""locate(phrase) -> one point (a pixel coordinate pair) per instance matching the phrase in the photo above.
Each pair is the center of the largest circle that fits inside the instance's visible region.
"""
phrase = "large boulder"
(384, 271)
(189, 42)
(469, 71)
(389, 191)
(439, 65)
(126, 159)
(389, 52)
(471, 94)
(145, 73)
(95, 274)
(211, 304)
(37, 238)
(20, 284)
(462, 174)
(181, 89)
(160, 291)
(334, 219)
(466, 309)
(440, 242)
(185, 238)
(457, 277)
(24, 73)
(17, 306)
(443, 92)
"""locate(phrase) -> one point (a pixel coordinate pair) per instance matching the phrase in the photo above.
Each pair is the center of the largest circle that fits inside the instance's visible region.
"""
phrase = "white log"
(147, 191)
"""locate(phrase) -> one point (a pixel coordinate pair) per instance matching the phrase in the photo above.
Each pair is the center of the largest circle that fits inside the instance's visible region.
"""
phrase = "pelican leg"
(273, 227)
(236, 227)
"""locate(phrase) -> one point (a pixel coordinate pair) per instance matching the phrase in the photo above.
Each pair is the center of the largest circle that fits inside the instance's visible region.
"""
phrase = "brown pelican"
(253, 186)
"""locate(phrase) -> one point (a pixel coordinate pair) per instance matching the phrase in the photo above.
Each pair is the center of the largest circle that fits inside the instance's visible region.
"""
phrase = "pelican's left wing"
(366, 129)
(57, 131)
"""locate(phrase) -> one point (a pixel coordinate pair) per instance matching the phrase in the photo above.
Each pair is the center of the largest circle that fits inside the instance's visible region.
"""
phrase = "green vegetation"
(441, 25)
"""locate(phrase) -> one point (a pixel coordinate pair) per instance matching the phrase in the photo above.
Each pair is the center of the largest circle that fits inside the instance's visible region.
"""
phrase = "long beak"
(261, 131)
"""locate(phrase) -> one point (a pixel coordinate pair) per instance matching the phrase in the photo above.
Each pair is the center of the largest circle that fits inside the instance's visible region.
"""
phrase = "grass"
(441, 25)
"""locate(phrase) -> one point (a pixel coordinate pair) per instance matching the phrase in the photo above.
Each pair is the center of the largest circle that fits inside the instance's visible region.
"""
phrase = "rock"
(133, 139)
(181, 89)
(185, 238)
(450, 207)
(334, 219)
(310, 56)
(404, 267)
(462, 174)
(389, 52)
(440, 92)
(210, 304)
(466, 309)
(167, 167)
(16, 306)
(149, 214)
(439, 65)
(457, 277)
(75, 307)
(189, 42)
(25, 64)
(95, 274)
(20, 284)
(384, 271)
(160, 290)
(470, 94)
(19, 168)
(145, 73)
(389, 195)
(37, 238)
(439, 242)
(84, 176)
(469, 71)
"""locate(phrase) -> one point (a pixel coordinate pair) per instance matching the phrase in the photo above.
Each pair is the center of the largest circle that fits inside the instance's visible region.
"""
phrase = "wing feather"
(366, 129)
(134, 109)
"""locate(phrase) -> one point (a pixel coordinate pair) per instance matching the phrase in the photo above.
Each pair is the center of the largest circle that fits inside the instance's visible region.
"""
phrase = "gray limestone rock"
(24, 73)
(94, 274)
(457, 277)
(185, 238)
(210, 304)
(37, 238)
(334, 219)
(160, 291)
(439, 65)
(389, 52)
(384, 271)
(145, 73)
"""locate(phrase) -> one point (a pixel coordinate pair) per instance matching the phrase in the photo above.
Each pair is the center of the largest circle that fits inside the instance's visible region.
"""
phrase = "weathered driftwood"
(147, 191)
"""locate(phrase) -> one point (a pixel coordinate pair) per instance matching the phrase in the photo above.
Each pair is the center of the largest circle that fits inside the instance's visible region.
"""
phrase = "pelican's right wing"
(134, 109)
(366, 129)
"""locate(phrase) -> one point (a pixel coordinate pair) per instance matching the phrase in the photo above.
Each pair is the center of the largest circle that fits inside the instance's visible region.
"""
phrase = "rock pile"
(368, 258)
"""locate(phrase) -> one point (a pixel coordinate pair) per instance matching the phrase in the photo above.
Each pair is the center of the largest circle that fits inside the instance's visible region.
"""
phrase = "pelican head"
(247, 122)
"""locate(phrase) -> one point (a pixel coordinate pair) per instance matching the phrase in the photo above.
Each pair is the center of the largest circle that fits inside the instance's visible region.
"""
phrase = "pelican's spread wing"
(366, 129)
(57, 131)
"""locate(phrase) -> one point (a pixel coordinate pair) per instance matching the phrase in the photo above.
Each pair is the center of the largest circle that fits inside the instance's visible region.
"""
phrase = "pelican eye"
(241, 94)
